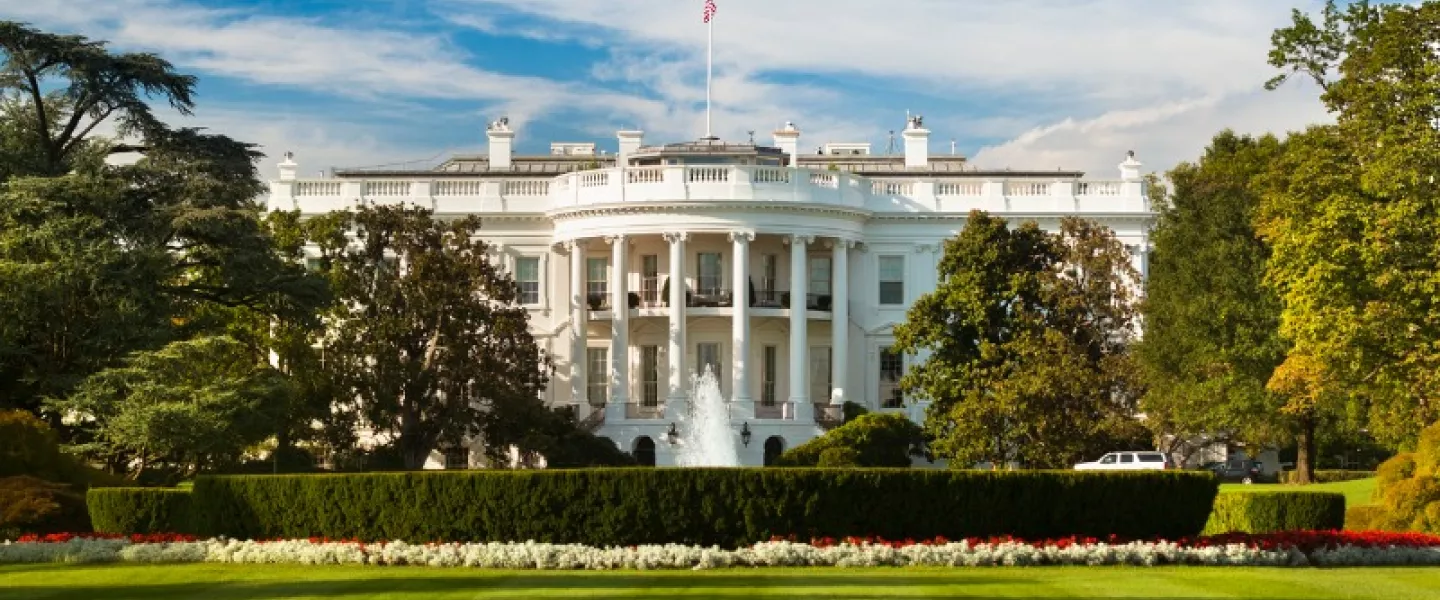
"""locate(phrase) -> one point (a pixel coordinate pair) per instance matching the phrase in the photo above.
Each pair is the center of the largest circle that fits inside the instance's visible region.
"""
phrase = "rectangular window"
(767, 376)
(527, 274)
(769, 272)
(597, 375)
(820, 373)
(597, 279)
(820, 276)
(892, 280)
(457, 458)
(707, 356)
(312, 264)
(650, 375)
(650, 279)
(709, 278)
(892, 368)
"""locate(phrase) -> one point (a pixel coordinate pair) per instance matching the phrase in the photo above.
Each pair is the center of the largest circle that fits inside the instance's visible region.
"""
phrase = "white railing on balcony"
(317, 188)
(386, 188)
(645, 175)
(527, 187)
(707, 174)
(968, 188)
(1098, 188)
(1027, 188)
(734, 183)
(458, 187)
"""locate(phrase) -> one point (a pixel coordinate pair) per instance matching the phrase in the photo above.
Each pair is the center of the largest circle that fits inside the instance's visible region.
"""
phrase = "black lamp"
(673, 435)
(745, 434)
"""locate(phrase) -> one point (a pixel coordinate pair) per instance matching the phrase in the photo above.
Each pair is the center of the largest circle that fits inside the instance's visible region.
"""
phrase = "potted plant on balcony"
(633, 299)
(595, 301)
(665, 294)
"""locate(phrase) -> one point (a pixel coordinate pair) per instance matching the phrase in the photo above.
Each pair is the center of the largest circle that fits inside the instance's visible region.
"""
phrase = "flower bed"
(1315, 548)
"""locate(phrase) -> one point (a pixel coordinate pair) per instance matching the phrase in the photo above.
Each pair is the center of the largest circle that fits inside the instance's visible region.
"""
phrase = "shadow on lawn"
(422, 583)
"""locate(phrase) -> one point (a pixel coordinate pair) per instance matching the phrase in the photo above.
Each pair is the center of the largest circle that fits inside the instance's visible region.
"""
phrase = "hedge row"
(140, 510)
(1265, 512)
(1329, 475)
(728, 507)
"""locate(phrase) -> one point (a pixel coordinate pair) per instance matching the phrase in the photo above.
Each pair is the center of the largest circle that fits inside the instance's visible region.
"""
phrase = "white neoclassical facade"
(783, 272)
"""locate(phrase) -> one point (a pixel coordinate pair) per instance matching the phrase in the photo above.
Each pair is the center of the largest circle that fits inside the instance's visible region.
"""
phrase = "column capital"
(743, 237)
(800, 239)
(845, 243)
(619, 237)
(676, 236)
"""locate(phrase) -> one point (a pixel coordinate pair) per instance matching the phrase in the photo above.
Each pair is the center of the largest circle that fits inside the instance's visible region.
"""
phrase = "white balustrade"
(740, 183)
(459, 187)
(707, 174)
(387, 188)
(526, 187)
(1027, 188)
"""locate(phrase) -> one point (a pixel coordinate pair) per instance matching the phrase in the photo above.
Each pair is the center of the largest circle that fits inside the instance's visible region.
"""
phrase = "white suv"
(1127, 461)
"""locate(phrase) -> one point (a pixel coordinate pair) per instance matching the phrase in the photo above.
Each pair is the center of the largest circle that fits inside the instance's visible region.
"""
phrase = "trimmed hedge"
(1329, 475)
(728, 507)
(1265, 512)
(140, 510)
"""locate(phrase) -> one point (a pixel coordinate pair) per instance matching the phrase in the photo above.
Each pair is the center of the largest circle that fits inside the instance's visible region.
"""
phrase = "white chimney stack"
(288, 167)
(1130, 169)
(787, 139)
(917, 142)
(630, 141)
(502, 141)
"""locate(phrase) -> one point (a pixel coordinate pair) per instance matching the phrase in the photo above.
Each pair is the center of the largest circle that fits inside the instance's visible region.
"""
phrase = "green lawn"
(231, 582)
(1357, 492)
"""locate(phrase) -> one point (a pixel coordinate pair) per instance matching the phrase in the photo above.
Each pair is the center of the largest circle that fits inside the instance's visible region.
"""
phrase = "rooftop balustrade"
(721, 183)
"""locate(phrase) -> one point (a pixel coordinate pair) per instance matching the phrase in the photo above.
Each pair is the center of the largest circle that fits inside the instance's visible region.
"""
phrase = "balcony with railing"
(995, 192)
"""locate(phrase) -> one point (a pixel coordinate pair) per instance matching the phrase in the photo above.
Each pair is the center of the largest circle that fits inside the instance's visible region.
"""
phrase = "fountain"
(705, 436)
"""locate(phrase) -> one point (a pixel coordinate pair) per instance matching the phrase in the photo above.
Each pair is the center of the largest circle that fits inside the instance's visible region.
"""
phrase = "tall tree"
(98, 261)
(428, 335)
(1026, 337)
(1352, 216)
(1212, 326)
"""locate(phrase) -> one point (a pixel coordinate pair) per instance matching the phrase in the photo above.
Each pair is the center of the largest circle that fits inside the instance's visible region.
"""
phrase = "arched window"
(774, 447)
(644, 452)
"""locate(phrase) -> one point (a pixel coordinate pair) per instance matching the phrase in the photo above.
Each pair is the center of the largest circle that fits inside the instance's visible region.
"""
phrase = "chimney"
(787, 139)
(630, 141)
(917, 142)
(1130, 169)
(288, 167)
(501, 141)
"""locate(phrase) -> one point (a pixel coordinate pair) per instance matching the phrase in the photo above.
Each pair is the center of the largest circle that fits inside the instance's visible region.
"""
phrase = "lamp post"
(745, 433)
(674, 434)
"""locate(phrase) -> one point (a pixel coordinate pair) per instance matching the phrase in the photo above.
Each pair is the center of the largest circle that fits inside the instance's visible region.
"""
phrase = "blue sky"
(1035, 84)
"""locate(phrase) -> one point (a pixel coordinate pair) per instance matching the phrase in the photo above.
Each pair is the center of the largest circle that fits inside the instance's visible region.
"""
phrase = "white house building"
(795, 266)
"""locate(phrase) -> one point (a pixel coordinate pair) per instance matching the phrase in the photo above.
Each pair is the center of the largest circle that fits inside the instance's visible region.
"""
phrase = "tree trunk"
(1305, 452)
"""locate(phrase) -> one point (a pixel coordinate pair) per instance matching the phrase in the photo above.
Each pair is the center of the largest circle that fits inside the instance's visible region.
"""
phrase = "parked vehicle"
(1127, 461)
(1243, 471)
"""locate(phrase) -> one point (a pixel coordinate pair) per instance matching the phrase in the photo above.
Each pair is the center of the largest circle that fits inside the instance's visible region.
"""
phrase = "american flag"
(709, 10)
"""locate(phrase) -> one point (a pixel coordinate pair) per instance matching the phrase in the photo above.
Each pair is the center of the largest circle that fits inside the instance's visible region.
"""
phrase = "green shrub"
(853, 410)
(1264, 512)
(728, 507)
(1329, 475)
(879, 440)
(839, 457)
(1427, 452)
(33, 505)
(140, 510)
(1365, 518)
(29, 447)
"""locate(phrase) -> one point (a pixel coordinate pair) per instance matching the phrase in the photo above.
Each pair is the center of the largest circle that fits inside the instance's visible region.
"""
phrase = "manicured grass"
(1357, 492)
(233, 582)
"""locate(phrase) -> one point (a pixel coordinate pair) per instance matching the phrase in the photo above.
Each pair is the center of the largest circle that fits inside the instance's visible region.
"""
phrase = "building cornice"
(610, 209)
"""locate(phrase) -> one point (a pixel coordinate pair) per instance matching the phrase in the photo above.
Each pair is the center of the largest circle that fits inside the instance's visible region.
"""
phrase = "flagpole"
(709, 69)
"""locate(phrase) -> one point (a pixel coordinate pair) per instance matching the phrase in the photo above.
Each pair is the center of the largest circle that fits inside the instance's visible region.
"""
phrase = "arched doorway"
(774, 447)
(644, 452)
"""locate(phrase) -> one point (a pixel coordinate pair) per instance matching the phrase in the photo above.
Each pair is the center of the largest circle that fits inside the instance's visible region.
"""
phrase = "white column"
(578, 324)
(799, 330)
(840, 322)
(740, 380)
(619, 327)
(675, 399)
